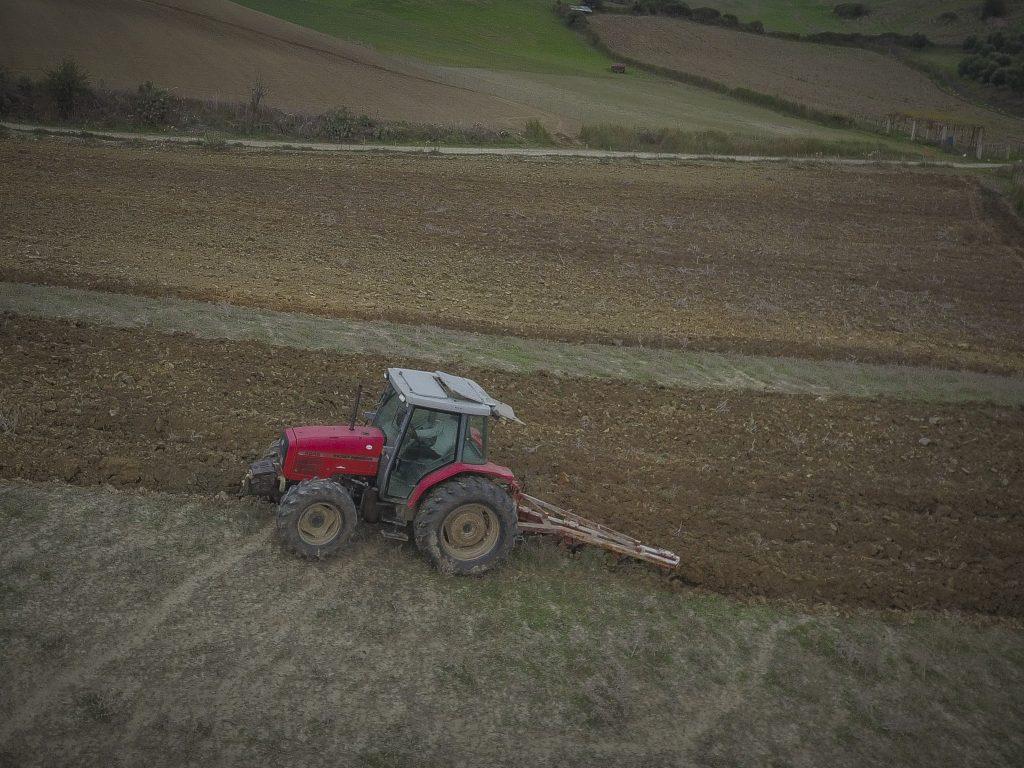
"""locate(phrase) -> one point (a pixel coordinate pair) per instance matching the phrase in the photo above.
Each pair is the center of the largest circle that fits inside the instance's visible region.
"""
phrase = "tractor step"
(394, 534)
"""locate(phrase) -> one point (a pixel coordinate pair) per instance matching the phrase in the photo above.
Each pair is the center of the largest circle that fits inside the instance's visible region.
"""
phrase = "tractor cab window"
(430, 443)
(474, 444)
(389, 415)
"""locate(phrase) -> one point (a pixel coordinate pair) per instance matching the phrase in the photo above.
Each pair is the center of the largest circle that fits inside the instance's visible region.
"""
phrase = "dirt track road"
(598, 154)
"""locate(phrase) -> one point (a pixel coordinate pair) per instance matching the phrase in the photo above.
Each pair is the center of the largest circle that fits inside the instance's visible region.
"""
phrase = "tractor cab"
(430, 421)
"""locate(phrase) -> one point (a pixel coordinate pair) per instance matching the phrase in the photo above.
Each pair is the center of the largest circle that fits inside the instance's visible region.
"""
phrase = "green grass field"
(495, 34)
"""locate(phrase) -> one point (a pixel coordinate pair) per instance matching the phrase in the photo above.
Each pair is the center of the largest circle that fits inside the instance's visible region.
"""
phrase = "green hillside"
(495, 34)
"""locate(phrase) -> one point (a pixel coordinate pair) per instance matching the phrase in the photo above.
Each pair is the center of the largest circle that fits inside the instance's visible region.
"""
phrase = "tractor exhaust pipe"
(355, 406)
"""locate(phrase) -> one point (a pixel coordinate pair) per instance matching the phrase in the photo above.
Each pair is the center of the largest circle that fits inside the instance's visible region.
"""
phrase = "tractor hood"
(343, 440)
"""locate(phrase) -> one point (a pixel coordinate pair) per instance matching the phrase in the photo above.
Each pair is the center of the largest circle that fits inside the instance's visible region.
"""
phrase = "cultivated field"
(851, 586)
(873, 264)
(229, 47)
(122, 43)
(785, 496)
(834, 79)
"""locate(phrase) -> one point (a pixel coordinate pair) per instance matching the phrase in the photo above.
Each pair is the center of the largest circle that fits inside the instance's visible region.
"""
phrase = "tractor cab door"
(429, 442)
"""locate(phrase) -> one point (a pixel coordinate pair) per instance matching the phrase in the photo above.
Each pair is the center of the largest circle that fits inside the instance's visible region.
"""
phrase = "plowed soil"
(837, 79)
(876, 503)
(885, 265)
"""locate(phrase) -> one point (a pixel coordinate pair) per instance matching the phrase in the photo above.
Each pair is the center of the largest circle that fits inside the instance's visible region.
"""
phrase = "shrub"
(706, 15)
(150, 105)
(340, 125)
(947, 17)
(851, 10)
(66, 84)
(536, 133)
(674, 8)
(995, 9)
(997, 61)
(665, 7)
(8, 93)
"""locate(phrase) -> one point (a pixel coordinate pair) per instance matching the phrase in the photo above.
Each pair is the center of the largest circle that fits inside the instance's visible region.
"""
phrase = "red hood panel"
(357, 441)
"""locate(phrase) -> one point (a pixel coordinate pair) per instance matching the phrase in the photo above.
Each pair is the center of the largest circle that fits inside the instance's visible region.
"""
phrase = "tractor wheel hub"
(319, 524)
(470, 531)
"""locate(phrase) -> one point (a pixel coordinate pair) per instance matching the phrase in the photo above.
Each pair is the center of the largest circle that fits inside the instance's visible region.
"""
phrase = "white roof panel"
(447, 392)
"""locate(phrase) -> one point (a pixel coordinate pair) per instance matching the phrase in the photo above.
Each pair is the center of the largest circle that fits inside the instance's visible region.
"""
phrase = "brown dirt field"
(839, 79)
(214, 49)
(863, 502)
(884, 265)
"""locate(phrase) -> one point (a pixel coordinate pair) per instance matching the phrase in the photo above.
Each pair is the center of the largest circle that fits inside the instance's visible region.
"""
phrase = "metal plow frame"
(537, 516)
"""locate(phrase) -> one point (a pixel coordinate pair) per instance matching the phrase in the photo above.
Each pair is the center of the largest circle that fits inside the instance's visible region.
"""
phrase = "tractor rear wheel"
(466, 525)
(316, 518)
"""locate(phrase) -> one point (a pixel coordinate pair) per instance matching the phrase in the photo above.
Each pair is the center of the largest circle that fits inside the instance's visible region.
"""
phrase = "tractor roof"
(446, 392)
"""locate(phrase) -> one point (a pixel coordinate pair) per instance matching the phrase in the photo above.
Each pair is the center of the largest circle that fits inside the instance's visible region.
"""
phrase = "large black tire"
(466, 525)
(316, 518)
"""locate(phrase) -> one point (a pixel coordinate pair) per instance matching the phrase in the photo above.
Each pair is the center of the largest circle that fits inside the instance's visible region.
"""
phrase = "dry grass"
(159, 629)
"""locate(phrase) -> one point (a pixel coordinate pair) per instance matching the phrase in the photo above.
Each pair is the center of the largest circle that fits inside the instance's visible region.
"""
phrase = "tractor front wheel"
(316, 518)
(466, 526)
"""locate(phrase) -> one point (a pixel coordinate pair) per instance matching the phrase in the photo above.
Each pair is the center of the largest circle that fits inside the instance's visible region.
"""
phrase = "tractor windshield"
(389, 415)
(474, 445)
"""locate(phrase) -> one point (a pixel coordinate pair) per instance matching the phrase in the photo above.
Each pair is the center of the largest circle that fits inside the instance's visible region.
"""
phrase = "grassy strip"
(617, 137)
(626, 668)
(678, 368)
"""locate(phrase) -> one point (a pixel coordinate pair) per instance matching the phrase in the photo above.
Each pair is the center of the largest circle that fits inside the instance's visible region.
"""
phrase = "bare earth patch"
(882, 265)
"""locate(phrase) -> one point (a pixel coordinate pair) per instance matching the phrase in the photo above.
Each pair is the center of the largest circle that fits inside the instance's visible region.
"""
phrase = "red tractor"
(419, 467)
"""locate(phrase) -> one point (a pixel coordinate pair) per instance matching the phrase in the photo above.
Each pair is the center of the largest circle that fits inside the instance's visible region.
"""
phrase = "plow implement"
(537, 516)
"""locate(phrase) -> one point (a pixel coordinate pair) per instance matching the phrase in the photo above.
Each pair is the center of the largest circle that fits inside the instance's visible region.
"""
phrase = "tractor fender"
(498, 473)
